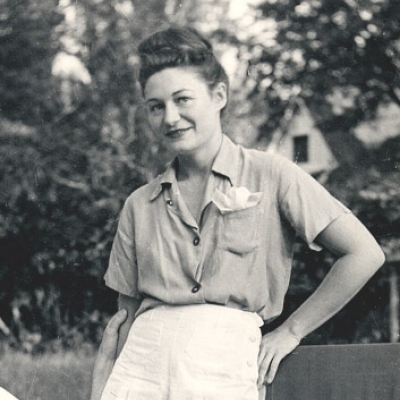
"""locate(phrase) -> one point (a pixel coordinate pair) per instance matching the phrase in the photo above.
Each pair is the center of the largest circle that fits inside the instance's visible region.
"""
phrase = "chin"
(179, 145)
(181, 149)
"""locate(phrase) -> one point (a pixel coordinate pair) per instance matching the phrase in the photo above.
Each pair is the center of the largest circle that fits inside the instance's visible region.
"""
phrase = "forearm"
(131, 305)
(359, 257)
(347, 276)
(101, 371)
(106, 355)
(114, 338)
(123, 334)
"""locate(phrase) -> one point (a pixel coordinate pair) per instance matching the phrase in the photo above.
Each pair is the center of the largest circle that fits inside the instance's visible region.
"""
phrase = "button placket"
(196, 241)
(251, 352)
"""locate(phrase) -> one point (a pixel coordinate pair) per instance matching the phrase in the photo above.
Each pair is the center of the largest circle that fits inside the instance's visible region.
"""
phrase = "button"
(195, 289)
(252, 339)
(249, 363)
(196, 240)
(169, 202)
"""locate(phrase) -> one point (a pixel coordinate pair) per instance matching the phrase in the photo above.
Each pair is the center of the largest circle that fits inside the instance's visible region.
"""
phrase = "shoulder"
(281, 175)
(284, 170)
(269, 165)
(144, 194)
(265, 158)
(141, 192)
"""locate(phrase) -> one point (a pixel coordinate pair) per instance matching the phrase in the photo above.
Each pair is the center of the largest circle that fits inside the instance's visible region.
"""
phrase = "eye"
(155, 108)
(183, 100)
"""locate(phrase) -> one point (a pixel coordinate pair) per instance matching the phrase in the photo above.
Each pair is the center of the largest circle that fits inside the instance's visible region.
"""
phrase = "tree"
(63, 184)
(343, 56)
(27, 44)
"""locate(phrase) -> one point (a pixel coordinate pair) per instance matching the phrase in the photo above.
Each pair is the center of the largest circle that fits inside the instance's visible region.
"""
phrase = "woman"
(202, 255)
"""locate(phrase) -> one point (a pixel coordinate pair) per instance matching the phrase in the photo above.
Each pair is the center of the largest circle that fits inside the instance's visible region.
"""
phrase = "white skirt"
(193, 352)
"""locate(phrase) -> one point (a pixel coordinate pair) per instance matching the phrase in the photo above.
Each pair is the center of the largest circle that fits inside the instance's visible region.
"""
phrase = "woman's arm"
(114, 338)
(131, 305)
(359, 258)
(106, 355)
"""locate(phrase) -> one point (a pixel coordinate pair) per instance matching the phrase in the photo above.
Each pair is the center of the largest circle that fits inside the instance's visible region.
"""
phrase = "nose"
(171, 116)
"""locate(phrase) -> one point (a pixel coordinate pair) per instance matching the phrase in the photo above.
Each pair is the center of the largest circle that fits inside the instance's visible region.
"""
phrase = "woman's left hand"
(275, 346)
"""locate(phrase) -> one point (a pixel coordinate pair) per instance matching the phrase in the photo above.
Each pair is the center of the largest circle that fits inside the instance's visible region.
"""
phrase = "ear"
(220, 95)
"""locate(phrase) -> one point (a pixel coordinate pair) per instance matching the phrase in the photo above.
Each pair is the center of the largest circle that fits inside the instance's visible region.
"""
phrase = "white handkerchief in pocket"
(238, 198)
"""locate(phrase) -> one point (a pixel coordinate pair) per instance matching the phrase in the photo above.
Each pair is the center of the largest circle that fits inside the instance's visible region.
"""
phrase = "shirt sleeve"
(304, 202)
(122, 272)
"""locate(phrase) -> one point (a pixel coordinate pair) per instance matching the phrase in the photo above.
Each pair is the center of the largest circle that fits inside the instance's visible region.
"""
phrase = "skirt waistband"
(205, 314)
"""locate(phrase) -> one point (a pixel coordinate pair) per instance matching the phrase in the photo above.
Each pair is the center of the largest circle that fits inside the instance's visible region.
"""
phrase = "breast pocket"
(239, 230)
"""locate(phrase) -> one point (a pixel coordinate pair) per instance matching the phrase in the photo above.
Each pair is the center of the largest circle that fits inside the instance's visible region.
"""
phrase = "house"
(367, 171)
(303, 142)
(318, 149)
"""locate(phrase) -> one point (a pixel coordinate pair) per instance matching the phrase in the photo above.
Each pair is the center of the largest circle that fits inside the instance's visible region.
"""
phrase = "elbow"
(376, 257)
(381, 258)
(370, 258)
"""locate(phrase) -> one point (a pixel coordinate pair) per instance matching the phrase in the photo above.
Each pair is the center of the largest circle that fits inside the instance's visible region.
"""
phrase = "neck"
(199, 163)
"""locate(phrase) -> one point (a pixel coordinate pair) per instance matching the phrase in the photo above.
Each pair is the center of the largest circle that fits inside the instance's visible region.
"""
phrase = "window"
(300, 148)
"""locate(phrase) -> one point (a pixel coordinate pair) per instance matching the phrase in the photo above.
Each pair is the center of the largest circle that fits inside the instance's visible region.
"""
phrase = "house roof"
(348, 150)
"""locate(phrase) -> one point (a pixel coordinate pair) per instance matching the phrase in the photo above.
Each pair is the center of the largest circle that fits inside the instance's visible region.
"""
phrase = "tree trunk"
(394, 305)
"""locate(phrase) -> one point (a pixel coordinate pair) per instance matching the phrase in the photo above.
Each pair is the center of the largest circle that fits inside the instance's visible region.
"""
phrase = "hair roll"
(180, 47)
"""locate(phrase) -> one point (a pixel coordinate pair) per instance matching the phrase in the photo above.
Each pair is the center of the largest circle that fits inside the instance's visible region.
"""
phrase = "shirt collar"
(227, 161)
(226, 164)
(166, 178)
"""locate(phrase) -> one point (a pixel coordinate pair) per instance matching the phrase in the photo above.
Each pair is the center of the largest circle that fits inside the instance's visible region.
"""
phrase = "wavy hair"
(180, 47)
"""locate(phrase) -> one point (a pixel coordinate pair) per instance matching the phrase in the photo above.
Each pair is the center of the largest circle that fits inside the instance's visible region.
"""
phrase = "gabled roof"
(348, 150)
(345, 147)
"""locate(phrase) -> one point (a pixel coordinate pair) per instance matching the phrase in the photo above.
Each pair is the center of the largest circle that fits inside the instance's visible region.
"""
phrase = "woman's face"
(182, 110)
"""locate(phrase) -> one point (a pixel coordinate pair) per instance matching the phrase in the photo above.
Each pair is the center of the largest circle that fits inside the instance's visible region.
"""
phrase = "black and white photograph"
(200, 200)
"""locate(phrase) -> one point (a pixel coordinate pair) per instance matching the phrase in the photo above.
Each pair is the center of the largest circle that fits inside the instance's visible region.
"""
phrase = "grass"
(65, 376)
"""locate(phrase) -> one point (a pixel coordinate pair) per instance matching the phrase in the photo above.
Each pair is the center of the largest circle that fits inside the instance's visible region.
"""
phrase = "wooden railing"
(339, 372)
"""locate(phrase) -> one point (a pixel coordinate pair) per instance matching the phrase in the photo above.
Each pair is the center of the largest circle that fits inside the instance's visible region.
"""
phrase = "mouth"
(177, 133)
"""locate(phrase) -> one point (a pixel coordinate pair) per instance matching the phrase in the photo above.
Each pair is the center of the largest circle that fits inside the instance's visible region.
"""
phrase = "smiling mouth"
(176, 133)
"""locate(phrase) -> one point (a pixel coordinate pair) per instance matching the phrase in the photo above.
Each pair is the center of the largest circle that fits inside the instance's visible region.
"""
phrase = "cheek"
(155, 123)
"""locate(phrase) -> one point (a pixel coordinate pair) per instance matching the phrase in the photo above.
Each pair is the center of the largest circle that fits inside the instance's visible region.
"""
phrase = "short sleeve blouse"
(240, 255)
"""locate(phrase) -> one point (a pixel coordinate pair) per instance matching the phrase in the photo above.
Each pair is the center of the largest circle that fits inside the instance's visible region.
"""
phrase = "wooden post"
(394, 304)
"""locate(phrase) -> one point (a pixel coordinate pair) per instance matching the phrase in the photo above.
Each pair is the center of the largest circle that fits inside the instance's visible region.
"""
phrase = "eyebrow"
(173, 94)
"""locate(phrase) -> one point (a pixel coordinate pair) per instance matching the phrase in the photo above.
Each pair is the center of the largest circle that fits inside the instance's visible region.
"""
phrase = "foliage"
(342, 56)
(27, 43)
(63, 185)
(74, 142)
